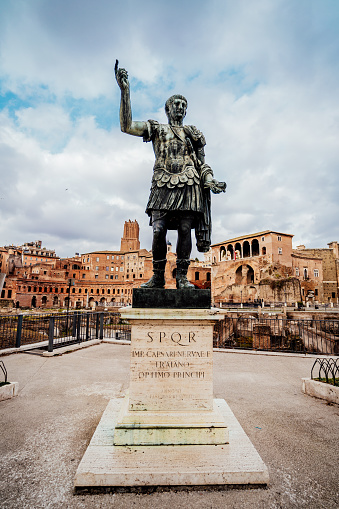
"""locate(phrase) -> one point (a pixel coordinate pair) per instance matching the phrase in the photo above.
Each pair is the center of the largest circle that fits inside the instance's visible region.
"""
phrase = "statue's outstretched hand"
(121, 76)
(215, 186)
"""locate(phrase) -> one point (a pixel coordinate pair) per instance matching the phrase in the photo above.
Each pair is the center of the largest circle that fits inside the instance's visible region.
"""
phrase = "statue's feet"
(156, 281)
(182, 282)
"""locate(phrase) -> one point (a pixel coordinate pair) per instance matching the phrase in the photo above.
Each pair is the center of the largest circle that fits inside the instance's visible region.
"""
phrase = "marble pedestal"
(170, 399)
(168, 430)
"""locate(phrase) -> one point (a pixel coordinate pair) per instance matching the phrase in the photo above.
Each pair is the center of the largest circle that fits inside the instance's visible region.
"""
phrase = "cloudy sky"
(262, 82)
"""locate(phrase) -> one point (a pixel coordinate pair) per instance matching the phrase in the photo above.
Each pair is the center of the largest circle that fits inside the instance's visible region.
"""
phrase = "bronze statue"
(181, 184)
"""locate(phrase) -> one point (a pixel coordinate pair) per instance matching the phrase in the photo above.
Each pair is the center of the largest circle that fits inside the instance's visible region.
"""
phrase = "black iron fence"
(278, 334)
(272, 334)
(61, 329)
(326, 370)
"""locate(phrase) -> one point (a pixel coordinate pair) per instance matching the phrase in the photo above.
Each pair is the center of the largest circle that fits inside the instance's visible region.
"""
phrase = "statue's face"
(177, 109)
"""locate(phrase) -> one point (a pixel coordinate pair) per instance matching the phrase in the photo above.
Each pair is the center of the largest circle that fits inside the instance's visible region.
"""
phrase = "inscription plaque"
(171, 367)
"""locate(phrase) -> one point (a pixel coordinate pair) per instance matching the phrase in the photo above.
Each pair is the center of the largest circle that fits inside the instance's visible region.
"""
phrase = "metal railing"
(244, 332)
(61, 329)
(327, 371)
(278, 334)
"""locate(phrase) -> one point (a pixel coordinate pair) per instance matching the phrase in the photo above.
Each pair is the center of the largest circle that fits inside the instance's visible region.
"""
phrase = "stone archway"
(222, 253)
(230, 252)
(238, 275)
(255, 247)
(250, 275)
(238, 251)
(246, 250)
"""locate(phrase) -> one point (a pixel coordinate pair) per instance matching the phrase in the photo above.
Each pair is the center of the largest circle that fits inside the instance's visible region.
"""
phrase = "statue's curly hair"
(171, 99)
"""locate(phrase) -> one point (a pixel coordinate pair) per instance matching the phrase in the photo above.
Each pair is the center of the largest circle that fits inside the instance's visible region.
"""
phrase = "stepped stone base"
(170, 428)
(107, 465)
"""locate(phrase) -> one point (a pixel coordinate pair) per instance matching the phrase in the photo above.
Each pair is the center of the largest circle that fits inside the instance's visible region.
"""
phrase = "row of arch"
(56, 301)
(237, 251)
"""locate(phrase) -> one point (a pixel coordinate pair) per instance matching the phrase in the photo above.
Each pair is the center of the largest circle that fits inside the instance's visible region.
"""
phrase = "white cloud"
(261, 81)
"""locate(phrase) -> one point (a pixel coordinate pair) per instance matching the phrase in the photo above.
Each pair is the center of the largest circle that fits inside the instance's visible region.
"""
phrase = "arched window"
(263, 251)
(255, 247)
(230, 252)
(222, 253)
(246, 249)
(237, 251)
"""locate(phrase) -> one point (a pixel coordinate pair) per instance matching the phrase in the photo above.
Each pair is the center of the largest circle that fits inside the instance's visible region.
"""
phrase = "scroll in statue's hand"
(121, 75)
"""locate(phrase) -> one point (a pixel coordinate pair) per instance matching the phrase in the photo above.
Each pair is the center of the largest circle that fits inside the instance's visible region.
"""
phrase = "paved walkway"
(46, 429)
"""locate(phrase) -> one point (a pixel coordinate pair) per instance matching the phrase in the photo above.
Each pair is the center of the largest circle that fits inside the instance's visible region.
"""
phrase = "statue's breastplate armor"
(174, 166)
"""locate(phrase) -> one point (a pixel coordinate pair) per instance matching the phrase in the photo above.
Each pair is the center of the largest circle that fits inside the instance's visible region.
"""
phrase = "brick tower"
(130, 240)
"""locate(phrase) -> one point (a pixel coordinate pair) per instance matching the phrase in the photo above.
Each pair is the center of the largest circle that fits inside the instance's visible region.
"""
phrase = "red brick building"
(40, 279)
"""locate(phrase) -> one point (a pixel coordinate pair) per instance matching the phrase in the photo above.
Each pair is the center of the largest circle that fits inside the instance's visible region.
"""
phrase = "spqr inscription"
(179, 338)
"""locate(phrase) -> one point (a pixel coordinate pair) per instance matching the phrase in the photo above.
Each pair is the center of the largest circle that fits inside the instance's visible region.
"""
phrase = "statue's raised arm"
(127, 125)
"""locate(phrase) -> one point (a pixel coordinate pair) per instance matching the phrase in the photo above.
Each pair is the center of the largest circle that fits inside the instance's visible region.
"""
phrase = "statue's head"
(176, 105)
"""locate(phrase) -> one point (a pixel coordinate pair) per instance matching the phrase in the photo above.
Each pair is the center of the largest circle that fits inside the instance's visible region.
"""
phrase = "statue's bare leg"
(184, 248)
(159, 250)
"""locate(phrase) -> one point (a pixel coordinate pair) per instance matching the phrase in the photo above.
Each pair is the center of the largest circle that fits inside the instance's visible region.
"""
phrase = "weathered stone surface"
(171, 359)
(186, 298)
(191, 465)
(320, 390)
(170, 428)
(171, 380)
(8, 391)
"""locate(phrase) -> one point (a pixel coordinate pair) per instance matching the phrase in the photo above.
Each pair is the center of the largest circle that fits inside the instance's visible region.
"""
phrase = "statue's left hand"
(215, 186)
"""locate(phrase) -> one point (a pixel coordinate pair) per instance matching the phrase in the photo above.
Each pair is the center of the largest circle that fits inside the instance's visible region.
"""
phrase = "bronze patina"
(181, 183)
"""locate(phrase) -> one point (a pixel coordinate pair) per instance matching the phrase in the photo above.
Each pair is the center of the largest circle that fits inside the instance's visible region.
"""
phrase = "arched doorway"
(33, 303)
(238, 275)
(250, 275)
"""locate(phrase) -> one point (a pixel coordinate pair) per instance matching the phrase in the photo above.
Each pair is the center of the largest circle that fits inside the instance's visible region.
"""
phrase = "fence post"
(19, 331)
(101, 326)
(87, 326)
(78, 323)
(50, 333)
(74, 327)
(97, 326)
